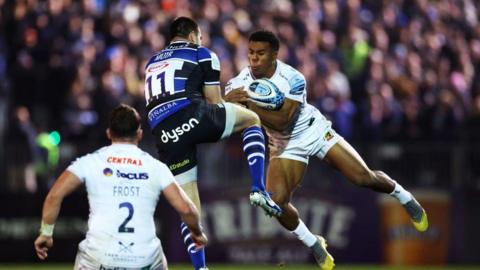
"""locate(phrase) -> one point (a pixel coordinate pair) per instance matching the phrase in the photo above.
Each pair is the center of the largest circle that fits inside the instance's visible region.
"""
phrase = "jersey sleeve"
(232, 84)
(210, 64)
(241, 80)
(297, 88)
(79, 167)
(163, 176)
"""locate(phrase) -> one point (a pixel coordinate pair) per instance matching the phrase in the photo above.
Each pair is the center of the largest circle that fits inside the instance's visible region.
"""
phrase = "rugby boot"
(323, 258)
(417, 214)
(262, 199)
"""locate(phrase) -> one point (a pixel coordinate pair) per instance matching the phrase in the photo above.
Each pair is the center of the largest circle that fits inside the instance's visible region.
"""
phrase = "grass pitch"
(42, 266)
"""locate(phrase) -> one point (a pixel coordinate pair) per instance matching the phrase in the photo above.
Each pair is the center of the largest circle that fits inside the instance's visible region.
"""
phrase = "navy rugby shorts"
(177, 136)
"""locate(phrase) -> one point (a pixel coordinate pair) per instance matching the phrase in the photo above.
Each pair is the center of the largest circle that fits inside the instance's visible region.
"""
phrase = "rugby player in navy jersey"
(299, 131)
(185, 108)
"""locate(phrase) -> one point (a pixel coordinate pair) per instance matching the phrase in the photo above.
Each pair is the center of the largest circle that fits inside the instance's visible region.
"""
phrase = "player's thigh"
(180, 159)
(283, 177)
(83, 261)
(343, 157)
(243, 117)
(199, 122)
(191, 189)
(160, 263)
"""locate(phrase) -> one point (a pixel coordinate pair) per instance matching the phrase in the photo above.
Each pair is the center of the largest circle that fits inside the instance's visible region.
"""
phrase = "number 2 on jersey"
(123, 227)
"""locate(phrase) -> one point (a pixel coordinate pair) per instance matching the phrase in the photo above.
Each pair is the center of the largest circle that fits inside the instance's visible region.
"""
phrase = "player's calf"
(197, 257)
(254, 148)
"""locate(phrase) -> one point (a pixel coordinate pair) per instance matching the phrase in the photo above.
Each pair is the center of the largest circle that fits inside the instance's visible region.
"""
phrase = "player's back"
(123, 185)
(175, 77)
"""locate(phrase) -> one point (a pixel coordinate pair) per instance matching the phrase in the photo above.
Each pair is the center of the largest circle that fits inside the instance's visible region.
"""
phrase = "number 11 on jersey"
(161, 78)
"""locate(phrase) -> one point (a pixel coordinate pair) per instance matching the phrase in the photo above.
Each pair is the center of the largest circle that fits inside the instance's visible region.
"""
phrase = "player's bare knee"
(281, 199)
(253, 119)
(245, 119)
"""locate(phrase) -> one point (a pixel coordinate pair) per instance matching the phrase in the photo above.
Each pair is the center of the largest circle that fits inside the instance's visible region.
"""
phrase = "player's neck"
(272, 69)
(179, 39)
(125, 141)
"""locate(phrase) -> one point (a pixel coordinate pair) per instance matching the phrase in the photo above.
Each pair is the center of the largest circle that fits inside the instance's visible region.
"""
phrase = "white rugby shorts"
(83, 261)
(316, 140)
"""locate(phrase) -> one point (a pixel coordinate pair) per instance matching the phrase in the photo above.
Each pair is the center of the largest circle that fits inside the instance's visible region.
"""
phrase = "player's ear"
(192, 37)
(274, 55)
(109, 135)
(139, 134)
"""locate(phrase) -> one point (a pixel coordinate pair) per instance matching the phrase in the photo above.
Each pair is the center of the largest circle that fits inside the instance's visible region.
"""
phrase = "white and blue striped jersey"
(123, 184)
(292, 83)
(175, 76)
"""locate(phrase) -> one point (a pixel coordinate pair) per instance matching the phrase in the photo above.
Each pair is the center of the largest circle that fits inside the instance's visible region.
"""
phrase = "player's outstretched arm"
(212, 94)
(65, 184)
(188, 212)
(278, 120)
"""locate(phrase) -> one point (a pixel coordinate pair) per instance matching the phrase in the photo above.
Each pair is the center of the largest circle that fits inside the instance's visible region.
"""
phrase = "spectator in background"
(22, 152)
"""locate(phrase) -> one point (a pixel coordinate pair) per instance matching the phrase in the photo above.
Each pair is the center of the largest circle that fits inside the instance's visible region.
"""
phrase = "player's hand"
(200, 240)
(237, 95)
(42, 245)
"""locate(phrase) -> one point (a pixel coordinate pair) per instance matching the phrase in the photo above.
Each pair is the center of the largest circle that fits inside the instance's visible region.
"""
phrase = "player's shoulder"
(157, 57)
(149, 159)
(204, 52)
(94, 154)
(288, 71)
(295, 79)
(89, 159)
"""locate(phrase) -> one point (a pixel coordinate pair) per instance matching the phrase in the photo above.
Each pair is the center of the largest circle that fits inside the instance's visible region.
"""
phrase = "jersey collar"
(119, 145)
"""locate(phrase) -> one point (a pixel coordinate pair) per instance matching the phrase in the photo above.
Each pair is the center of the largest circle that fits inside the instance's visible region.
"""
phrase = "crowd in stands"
(380, 70)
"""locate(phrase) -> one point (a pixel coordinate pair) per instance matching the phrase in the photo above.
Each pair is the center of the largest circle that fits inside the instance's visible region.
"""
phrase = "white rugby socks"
(401, 194)
(303, 234)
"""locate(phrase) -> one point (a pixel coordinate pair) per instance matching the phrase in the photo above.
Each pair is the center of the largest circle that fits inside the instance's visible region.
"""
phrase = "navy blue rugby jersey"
(175, 77)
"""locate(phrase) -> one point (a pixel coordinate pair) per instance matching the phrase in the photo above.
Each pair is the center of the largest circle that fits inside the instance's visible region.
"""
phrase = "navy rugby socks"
(196, 256)
(254, 148)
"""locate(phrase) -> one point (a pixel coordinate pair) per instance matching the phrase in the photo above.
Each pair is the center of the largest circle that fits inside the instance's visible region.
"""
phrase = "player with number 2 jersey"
(123, 185)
